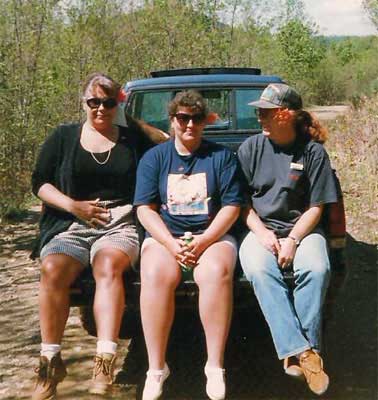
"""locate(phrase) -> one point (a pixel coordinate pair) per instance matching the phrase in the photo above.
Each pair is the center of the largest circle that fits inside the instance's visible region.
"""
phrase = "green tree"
(371, 6)
(47, 47)
(300, 54)
(23, 37)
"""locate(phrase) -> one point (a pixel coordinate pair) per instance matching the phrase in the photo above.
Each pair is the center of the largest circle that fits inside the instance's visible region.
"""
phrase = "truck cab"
(227, 91)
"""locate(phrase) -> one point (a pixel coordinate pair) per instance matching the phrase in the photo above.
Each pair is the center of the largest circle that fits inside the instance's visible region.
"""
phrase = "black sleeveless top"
(110, 180)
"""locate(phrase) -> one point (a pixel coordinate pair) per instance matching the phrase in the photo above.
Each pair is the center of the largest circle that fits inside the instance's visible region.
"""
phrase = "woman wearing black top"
(85, 176)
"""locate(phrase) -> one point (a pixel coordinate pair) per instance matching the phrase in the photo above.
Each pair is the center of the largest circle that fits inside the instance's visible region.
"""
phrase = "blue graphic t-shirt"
(190, 189)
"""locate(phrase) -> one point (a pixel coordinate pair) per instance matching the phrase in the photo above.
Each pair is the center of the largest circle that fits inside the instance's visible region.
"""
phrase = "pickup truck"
(227, 91)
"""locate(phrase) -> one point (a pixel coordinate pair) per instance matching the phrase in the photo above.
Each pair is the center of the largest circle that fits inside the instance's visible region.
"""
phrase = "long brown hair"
(307, 124)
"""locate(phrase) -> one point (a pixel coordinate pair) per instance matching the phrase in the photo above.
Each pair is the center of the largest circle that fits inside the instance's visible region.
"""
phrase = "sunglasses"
(95, 102)
(264, 112)
(183, 118)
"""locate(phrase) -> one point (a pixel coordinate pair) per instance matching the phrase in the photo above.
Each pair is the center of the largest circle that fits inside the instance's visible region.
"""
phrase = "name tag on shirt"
(296, 166)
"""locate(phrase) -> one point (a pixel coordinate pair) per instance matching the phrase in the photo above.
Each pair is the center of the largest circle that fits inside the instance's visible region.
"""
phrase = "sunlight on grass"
(353, 148)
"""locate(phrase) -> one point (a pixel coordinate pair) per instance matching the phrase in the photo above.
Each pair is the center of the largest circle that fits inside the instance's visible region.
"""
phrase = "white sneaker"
(216, 385)
(153, 388)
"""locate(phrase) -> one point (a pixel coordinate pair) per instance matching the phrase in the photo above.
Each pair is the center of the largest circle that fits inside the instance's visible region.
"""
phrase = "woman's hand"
(287, 253)
(193, 250)
(179, 250)
(269, 240)
(89, 212)
(264, 235)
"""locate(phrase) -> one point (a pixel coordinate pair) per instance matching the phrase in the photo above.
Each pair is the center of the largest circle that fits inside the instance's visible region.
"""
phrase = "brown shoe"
(312, 367)
(102, 378)
(292, 368)
(50, 373)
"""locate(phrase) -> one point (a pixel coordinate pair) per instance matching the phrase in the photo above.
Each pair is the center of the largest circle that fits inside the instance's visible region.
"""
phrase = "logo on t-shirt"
(187, 194)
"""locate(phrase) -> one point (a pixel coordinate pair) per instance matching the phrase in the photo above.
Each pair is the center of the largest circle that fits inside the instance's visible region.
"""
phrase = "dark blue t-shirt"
(190, 189)
(284, 182)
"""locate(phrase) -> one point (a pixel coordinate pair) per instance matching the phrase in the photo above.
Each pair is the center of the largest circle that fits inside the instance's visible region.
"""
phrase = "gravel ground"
(253, 372)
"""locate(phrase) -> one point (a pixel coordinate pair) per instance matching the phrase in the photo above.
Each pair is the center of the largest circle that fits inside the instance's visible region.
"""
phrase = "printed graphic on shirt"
(187, 194)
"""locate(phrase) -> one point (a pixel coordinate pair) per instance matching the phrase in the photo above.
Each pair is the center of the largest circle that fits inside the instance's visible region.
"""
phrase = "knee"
(253, 270)
(53, 274)
(318, 274)
(322, 273)
(214, 273)
(106, 268)
(159, 276)
(257, 263)
(255, 273)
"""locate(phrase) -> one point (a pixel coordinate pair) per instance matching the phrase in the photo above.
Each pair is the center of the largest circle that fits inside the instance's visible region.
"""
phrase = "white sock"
(50, 350)
(106, 346)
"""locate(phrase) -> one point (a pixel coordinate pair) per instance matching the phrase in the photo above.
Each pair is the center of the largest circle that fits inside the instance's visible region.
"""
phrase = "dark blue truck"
(228, 92)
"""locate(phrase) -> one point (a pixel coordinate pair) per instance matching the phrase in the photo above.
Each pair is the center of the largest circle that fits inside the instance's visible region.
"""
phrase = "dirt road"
(328, 113)
(252, 368)
(253, 372)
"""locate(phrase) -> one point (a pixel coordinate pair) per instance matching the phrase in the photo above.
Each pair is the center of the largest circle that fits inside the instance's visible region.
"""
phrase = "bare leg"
(109, 302)
(58, 272)
(214, 276)
(160, 276)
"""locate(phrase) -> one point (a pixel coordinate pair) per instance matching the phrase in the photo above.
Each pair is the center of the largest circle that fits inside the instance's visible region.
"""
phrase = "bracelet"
(296, 241)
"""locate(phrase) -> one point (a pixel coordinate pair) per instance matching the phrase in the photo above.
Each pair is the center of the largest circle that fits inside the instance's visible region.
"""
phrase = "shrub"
(353, 148)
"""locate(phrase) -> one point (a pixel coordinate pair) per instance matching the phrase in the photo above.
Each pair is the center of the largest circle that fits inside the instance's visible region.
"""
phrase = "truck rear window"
(231, 106)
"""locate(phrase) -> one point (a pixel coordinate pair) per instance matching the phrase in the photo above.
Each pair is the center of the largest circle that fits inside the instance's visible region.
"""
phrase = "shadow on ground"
(253, 371)
(17, 236)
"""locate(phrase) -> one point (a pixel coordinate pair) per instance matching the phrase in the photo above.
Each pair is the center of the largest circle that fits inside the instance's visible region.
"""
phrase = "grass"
(353, 148)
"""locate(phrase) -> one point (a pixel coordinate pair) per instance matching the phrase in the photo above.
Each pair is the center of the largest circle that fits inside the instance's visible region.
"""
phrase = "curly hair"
(188, 98)
(97, 79)
(307, 124)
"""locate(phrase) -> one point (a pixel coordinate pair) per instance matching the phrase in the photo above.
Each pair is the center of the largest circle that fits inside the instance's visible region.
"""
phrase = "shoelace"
(102, 366)
(305, 360)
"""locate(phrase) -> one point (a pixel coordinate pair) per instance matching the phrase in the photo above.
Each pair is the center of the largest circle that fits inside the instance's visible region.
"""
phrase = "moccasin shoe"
(153, 387)
(292, 368)
(216, 385)
(49, 374)
(103, 370)
(312, 367)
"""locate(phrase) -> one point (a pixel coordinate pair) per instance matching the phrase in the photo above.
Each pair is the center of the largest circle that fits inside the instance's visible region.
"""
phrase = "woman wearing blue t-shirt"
(187, 184)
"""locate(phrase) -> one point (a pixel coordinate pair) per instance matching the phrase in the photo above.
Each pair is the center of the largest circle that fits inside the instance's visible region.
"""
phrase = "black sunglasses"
(263, 112)
(95, 102)
(183, 118)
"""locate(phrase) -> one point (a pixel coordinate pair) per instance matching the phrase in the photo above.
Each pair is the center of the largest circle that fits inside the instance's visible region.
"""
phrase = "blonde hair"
(105, 82)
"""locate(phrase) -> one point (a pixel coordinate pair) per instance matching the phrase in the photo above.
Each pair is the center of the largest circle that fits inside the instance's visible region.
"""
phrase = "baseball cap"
(277, 95)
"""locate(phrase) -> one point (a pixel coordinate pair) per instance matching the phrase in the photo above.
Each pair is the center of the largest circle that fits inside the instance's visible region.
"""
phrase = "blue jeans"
(294, 320)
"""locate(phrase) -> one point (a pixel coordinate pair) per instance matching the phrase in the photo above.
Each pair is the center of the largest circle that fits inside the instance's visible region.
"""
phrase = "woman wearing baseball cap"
(289, 180)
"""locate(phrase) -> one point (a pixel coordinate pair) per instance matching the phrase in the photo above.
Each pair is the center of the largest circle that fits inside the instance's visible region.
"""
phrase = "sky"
(340, 17)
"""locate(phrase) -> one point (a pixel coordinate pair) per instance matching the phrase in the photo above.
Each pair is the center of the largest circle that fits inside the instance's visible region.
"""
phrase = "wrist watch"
(296, 241)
